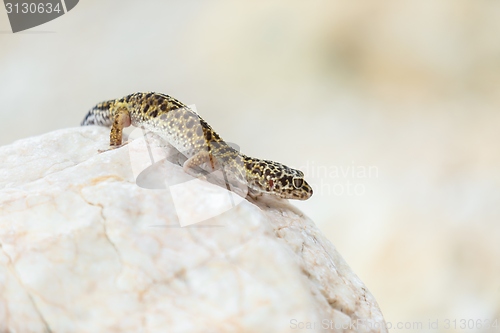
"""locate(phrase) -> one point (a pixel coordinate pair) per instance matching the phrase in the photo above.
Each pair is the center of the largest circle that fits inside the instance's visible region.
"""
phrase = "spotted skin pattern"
(187, 132)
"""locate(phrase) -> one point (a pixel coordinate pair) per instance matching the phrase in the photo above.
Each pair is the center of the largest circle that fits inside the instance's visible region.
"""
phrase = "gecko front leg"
(121, 120)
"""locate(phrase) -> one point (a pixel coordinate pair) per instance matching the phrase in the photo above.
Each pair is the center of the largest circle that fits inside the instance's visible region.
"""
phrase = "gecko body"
(187, 132)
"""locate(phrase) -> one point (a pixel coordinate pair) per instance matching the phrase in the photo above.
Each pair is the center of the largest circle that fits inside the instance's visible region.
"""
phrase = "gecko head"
(277, 179)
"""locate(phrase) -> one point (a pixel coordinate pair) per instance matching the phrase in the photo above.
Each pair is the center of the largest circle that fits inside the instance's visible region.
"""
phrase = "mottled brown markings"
(257, 172)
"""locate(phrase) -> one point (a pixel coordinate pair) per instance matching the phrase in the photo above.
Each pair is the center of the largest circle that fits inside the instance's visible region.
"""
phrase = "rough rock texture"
(83, 248)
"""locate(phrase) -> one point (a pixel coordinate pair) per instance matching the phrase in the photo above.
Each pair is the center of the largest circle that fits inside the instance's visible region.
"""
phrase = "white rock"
(83, 248)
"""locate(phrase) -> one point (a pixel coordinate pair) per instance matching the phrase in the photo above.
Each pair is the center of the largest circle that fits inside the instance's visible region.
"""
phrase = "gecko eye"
(298, 182)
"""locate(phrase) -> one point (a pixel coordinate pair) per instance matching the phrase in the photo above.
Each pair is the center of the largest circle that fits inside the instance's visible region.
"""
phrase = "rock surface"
(83, 248)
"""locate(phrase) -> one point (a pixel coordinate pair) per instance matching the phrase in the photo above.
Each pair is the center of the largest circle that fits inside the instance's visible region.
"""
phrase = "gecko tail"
(99, 115)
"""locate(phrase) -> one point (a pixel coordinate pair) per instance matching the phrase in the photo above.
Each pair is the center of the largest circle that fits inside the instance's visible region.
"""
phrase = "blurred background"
(391, 108)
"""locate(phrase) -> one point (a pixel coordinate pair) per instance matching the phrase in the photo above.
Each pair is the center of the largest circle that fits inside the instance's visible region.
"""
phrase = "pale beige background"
(390, 107)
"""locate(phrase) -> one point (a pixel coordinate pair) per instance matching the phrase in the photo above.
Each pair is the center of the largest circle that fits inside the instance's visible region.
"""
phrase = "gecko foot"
(100, 151)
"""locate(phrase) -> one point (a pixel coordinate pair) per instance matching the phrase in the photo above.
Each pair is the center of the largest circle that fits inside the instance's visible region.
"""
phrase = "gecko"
(188, 133)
